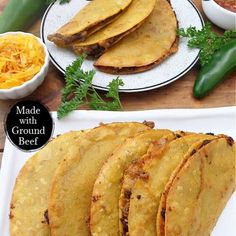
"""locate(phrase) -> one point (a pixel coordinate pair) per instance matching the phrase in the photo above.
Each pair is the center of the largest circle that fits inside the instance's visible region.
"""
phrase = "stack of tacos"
(91, 18)
(136, 39)
(125, 179)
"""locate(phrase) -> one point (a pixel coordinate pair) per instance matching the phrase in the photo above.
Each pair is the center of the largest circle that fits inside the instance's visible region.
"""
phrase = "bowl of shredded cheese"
(24, 63)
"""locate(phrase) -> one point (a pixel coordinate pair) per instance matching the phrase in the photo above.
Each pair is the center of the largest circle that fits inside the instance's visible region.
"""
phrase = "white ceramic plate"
(218, 120)
(170, 70)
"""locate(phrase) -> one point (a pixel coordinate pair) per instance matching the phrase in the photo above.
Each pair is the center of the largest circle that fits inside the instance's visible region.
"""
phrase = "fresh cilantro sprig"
(206, 40)
(79, 91)
(97, 103)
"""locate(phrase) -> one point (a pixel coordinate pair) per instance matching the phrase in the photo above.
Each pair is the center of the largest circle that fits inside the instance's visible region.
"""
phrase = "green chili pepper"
(222, 63)
(19, 14)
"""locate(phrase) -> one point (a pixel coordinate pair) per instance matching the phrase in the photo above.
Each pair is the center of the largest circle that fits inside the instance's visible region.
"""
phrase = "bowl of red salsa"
(229, 5)
(221, 12)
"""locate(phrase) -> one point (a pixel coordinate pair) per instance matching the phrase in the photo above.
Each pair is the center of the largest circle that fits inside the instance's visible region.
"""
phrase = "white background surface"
(159, 76)
(219, 120)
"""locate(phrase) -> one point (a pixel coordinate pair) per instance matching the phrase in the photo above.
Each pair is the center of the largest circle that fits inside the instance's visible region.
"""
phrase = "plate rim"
(134, 90)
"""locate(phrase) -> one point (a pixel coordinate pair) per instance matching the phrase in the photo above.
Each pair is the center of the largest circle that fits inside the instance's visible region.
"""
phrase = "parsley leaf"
(79, 91)
(206, 40)
(113, 93)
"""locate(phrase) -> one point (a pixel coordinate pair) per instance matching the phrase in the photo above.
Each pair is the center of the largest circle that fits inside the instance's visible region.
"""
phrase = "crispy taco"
(28, 215)
(132, 173)
(146, 47)
(160, 220)
(106, 190)
(95, 15)
(200, 190)
(156, 169)
(72, 184)
(129, 21)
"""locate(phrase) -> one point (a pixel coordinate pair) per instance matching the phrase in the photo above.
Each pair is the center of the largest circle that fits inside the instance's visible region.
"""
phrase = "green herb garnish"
(206, 40)
(79, 91)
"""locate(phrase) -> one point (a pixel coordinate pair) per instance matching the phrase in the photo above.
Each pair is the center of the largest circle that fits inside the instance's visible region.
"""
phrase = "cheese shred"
(21, 58)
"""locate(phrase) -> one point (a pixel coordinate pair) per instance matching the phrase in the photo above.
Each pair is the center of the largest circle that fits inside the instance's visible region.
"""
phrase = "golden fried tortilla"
(131, 174)
(72, 185)
(129, 21)
(201, 190)
(29, 202)
(160, 219)
(146, 192)
(94, 16)
(106, 190)
(146, 47)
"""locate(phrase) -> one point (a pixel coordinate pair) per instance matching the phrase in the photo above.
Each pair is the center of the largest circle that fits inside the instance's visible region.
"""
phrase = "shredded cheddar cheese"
(21, 58)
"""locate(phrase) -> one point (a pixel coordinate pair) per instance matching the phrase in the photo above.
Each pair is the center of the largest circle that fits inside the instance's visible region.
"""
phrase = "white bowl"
(29, 86)
(218, 15)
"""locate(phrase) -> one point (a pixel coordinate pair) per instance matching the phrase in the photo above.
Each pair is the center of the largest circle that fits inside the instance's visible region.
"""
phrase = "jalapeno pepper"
(222, 63)
(18, 14)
